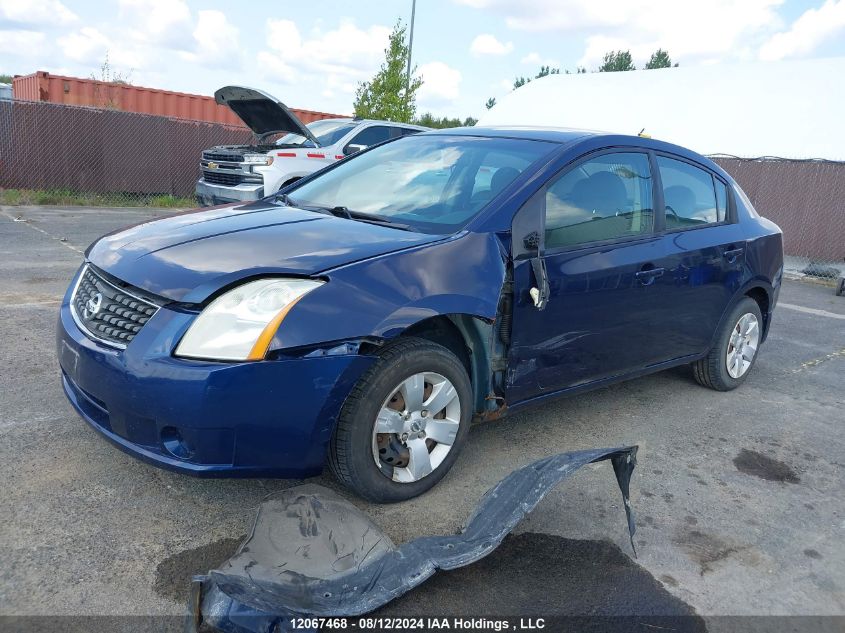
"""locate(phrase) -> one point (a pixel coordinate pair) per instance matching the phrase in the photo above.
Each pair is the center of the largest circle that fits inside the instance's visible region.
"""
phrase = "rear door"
(601, 255)
(704, 251)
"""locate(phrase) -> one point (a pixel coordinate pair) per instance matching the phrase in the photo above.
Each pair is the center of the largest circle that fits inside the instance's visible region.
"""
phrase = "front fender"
(280, 172)
(382, 296)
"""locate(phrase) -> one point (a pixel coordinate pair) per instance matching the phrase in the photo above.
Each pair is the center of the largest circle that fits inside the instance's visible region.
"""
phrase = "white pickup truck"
(240, 173)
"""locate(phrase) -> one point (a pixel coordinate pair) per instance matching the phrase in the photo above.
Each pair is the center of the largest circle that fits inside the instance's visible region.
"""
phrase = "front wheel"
(728, 364)
(404, 423)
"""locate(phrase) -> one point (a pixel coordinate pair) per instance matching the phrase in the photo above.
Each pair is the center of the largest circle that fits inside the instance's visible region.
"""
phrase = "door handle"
(647, 276)
(732, 254)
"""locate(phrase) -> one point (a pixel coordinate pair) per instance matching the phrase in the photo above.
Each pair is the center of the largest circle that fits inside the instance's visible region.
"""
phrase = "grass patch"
(70, 198)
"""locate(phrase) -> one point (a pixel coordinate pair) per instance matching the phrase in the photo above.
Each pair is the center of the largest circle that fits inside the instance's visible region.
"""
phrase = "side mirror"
(353, 148)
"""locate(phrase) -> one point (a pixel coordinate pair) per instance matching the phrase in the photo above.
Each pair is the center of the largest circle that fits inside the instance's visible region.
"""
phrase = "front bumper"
(263, 418)
(210, 195)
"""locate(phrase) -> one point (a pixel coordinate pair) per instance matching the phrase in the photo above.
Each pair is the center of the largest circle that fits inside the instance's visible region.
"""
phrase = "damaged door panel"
(313, 553)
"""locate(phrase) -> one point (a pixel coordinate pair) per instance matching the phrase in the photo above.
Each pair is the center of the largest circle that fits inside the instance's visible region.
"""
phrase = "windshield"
(433, 184)
(326, 131)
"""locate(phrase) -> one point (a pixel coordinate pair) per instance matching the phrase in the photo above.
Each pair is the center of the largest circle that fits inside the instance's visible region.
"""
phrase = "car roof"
(570, 136)
(528, 132)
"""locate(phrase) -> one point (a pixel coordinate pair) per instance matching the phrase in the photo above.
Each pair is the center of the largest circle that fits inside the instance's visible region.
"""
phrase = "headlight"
(258, 159)
(240, 324)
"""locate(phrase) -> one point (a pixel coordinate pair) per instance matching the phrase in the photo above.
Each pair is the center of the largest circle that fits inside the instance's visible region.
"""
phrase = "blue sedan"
(366, 315)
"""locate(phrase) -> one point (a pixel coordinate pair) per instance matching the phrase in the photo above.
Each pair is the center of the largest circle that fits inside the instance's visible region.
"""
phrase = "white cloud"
(13, 42)
(534, 59)
(814, 27)
(217, 41)
(36, 12)
(441, 84)
(690, 31)
(87, 45)
(486, 44)
(161, 22)
(339, 57)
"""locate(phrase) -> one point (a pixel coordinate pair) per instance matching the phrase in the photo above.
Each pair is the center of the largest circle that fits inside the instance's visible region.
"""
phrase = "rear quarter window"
(689, 195)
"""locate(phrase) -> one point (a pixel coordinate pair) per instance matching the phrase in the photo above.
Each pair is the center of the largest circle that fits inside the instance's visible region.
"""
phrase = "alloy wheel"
(742, 345)
(416, 427)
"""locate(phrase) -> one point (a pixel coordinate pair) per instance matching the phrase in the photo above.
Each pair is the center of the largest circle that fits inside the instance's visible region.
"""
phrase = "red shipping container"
(42, 86)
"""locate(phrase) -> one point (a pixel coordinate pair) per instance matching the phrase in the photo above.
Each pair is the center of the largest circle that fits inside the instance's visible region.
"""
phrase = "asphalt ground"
(739, 497)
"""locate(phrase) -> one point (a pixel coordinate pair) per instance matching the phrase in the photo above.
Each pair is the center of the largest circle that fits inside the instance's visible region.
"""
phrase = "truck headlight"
(258, 159)
(239, 324)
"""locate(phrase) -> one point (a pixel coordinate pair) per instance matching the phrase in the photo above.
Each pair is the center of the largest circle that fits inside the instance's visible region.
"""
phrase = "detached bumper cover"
(263, 418)
(312, 553)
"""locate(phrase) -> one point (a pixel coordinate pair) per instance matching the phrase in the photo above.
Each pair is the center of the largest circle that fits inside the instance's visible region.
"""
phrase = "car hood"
(262, 113)
(187, 257)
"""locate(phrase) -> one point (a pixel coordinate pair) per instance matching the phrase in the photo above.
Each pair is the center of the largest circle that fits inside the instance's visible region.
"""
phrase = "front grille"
(224, 156)
(221, 177)
(106, 312)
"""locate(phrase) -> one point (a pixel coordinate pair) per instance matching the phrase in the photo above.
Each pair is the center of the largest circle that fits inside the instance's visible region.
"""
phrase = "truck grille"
(106, 312)
(221, 177)
(223, 156)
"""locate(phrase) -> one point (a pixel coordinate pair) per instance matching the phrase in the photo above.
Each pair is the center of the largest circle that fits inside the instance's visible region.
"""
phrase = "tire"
(713, 371)
(840, 287)
(357, 454)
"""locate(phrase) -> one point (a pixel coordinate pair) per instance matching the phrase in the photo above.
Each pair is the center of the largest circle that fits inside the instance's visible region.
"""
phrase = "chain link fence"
(806, 198)
(58, 154)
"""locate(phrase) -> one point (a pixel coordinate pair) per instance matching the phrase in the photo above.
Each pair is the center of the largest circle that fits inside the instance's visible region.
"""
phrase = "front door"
(602, 258)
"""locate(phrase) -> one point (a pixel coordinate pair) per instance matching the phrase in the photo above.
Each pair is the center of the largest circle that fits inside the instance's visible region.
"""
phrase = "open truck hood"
(263, 113)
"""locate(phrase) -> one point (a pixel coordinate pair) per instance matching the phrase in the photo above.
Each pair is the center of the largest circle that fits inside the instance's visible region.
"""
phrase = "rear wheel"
(728, 364)
(403, 425)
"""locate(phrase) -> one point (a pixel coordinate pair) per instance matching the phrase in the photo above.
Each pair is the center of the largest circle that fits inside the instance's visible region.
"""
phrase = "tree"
(616, 61)
(490, 102)
(659, 59)
(429, 120)
(388, 95)
(5, 79)
(518, 82)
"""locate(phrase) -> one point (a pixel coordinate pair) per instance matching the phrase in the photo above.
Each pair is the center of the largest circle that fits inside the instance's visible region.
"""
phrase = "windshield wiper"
(285, 199)
(344, 212)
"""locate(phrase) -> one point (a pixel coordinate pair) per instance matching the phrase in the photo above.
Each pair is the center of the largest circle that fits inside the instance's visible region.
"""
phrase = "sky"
(312, 55)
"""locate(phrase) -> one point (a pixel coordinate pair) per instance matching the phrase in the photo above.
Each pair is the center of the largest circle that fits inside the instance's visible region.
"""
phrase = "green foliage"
(490, 102)
(518, 82)
(69, 197)
(616, 61)
(388, 96)
(545, 70)
(659, 59)
(429, 120)
(5, 79)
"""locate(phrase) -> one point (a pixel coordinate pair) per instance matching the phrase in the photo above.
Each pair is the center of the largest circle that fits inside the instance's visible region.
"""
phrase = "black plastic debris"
(313, 553)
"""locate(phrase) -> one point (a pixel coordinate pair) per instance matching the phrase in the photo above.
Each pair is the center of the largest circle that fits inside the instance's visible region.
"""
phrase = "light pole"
(410, 48)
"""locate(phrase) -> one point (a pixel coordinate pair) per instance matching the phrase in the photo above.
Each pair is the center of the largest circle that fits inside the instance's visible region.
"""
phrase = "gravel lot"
(739, 497)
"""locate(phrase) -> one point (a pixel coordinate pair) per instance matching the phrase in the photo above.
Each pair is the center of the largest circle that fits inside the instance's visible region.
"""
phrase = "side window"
(721, 199)
(371, 135)
(496, 171)
(604, 198)
(689, 195)
(405, 131)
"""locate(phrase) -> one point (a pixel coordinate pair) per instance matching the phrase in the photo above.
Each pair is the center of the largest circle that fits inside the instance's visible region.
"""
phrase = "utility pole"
(410, 48)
